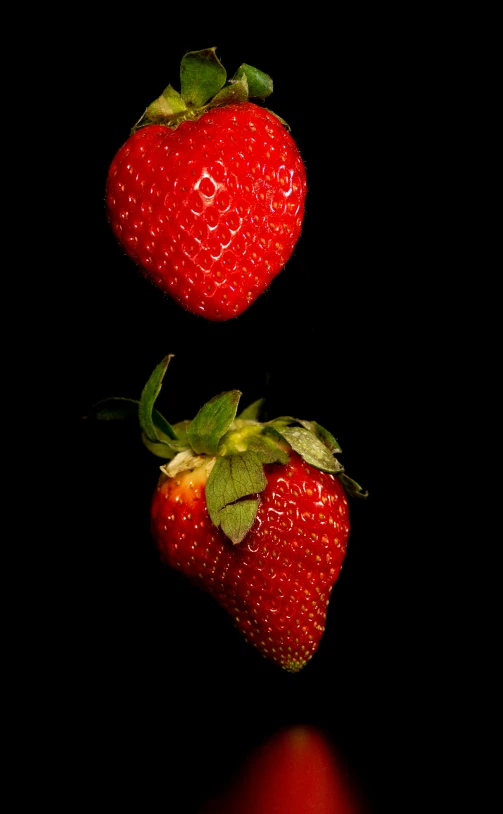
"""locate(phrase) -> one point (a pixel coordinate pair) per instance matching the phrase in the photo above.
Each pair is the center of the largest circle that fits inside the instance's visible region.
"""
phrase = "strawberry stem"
(204, 85)
(236, 447)
(212, 422)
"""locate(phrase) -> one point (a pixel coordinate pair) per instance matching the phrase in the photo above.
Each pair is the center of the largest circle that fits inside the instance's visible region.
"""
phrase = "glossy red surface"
(211, 211)
(276, 584)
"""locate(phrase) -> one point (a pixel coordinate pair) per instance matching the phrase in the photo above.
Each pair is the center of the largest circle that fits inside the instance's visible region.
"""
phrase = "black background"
(162, 699)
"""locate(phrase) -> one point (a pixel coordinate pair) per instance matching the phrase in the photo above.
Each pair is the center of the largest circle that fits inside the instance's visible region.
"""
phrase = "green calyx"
(235, 446)
(204, 85)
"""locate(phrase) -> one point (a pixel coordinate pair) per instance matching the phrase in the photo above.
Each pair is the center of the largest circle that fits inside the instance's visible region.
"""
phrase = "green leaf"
(311, 449)
(202, 75)
(236, 520)
(252, 412)
(324, 435)
(163, 448)
(236, 92)
(352, 487)
(212, 422)
(168, 104)
(181, 429)
(259, 83)
(148, 397)
(231, 479)
(281, 422)
(267, 450)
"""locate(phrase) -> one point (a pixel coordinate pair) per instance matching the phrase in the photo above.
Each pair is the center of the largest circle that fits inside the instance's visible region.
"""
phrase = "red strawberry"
(207, 194)
(276, 583)
(254, 513)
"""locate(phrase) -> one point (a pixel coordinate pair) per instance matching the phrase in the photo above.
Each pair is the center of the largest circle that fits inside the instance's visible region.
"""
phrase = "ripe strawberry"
(254, 513)
(207, 193)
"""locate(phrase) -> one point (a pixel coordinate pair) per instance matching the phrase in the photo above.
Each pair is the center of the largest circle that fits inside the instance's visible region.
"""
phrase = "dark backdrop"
(161, 695)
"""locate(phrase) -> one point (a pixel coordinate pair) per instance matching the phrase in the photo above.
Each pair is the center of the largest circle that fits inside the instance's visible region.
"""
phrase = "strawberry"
(254, 513)
(207, 194)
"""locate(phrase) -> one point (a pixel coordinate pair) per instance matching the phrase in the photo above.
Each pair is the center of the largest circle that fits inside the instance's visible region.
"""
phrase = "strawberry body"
(209, 211)
(277, 582)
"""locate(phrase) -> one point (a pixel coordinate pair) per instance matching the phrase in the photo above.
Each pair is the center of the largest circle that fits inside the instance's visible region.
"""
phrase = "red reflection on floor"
(296, 771)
